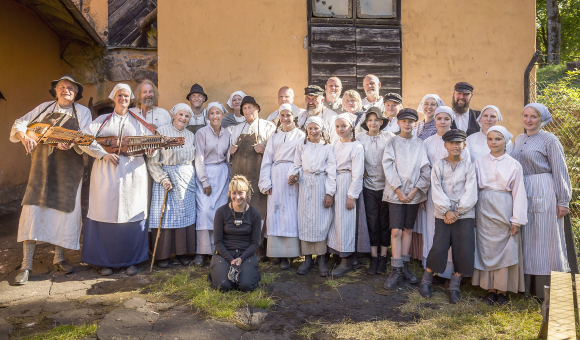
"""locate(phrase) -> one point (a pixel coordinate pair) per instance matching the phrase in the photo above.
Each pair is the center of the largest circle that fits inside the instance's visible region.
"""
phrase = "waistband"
(549, 174)
(343, 171)
(280, 162)
(316, 173)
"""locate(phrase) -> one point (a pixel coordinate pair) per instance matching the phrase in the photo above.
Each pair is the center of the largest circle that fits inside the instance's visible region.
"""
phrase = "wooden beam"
(562, 322)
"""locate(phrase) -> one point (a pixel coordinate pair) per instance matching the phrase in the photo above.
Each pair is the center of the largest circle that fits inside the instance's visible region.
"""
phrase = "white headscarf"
(316, 120)
(506, 134)
(295, 110)
(218, 105)
(181, 107)
(544, 113)
(239, 93)
(433, 96)
(348, 117)
(118, 87)
(445, 109)
(499, 117)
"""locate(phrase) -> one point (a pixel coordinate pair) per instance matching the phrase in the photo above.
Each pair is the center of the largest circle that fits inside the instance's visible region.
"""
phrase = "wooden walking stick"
(159, 230)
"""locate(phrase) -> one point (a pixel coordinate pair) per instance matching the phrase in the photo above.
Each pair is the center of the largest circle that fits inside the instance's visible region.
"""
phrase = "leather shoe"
(22, 277)
(185, 260)
(198, 261)
(163, 263)
(105, 271)
(131, 270)
(64, 267)
(284, 264)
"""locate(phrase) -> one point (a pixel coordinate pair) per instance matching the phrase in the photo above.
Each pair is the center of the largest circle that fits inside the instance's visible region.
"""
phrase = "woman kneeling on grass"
(236, 231)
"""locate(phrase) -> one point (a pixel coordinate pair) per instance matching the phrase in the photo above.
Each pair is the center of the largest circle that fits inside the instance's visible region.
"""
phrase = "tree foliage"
(570, 34)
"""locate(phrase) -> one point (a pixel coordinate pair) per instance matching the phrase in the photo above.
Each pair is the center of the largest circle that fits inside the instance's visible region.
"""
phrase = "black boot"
(373, 266)
(322, 267)
(354, 262)
(382, 266)
(394, 279)
(306, 266)
(408, 274)
(426, 282)
(284, 263)
(343, 268)
(454, 292)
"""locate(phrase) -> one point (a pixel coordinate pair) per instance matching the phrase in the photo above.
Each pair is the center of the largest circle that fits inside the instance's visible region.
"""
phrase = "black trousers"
(377, 214)
(461, 237)
(402, 216)
(249, 277)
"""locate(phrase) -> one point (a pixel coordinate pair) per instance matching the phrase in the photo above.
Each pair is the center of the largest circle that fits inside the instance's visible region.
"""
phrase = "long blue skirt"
(115, 245)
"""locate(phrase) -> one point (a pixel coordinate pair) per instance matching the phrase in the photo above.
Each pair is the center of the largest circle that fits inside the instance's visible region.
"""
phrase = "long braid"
(353, 135)
(305, 139)
(277, 125)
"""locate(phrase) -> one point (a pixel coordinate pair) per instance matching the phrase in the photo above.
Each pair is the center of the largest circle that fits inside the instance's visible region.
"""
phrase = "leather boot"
(322, 267)
(198, 260)
(306, 266)
(408, 274)
(284, 263)
(343, 268)
(382, 266)
(373, 266)
(454, 292)
(394, 279)
(355, 262)
(425, 287)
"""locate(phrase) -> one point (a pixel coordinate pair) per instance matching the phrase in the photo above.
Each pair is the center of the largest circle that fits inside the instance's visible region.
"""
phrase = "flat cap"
(408, 113)
(454, 135)
(464, 87)
(313, 90)
(393, 97)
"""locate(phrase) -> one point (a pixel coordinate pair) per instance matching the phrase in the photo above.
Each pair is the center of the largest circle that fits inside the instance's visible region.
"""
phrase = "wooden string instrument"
(136, 145)
(44, 133)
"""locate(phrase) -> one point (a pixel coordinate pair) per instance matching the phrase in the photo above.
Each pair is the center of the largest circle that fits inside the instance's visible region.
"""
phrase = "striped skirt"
(315, 220)
(342, 233)
(180, 211)
(282, 216)
(219, 180)
(543, 243)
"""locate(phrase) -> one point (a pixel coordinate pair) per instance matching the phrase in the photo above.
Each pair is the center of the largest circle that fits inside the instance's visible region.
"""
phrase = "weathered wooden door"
(352, 47)
(124, 18)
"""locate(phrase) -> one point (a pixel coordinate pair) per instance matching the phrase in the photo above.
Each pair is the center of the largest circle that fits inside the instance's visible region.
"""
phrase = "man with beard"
(465, 118)
(372, 85)
(333, 89)
(285, 95)
(197, 97)
(314, 98)
(147, 97)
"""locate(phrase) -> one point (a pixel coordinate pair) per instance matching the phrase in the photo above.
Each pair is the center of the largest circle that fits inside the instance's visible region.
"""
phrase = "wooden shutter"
(124, 17)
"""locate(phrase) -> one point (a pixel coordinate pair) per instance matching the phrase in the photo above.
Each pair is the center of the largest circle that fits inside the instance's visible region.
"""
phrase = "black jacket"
(472, 127)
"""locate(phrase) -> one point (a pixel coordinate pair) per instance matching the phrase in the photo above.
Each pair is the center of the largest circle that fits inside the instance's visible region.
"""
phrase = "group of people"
(343, 176)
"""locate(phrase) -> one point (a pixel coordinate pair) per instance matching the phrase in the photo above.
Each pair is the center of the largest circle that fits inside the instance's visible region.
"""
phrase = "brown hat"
(408, 113)
(464, 87)
(70, 78)
(379, 113)
(393, 97)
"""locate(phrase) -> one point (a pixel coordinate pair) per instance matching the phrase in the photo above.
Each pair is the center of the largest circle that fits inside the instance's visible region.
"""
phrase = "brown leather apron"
(195, 128)
(247, 162)
(55, 175)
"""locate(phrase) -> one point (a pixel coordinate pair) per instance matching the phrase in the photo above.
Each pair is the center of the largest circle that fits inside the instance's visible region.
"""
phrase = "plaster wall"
(30, 60)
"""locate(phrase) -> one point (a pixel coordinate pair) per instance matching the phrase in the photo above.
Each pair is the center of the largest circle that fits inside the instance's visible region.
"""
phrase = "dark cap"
(249, 99)
(454, 135)
(464, 87)
(379, 113)
(313, 90)
(393, 97)
(408, 113)
(70, 78)
(196, 88)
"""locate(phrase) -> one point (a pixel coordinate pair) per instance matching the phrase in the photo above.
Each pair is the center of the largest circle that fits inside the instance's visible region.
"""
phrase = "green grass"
(198, 293)
(66, 332)
(551, 73)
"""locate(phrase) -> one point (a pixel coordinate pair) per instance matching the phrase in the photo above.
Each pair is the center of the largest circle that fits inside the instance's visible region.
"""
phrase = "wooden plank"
(377, 48)
(114, 5)
(378, 35)
(333, 69)
(333, 58)
(386, 83)
(378, 70)
(334, 47)
(347, 82)
(61, 13)
(333, 34)
(124, 26)
(561, 324)
(391, 59)
(123, 10)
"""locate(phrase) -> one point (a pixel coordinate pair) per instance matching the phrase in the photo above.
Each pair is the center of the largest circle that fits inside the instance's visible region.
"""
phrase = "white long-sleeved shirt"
(366, 104)
(316, 158)
(374, 147)
(477, 145)
(505, 174)
(175, 156)
(406, 167)
(156, 116)
(281, 148)
(259, 126)
(328, 117)
(436, 149)
(454, 189)
(350, 156)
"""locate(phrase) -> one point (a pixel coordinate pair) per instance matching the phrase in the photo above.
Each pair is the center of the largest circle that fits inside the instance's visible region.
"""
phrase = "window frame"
(354, 20)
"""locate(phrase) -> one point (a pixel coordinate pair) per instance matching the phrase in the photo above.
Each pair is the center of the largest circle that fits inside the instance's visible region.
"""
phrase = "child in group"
(454, 193)
(407, 171)
(501, 209)
(377, 210)
(282, 216)
(344, 236)
(315, 169)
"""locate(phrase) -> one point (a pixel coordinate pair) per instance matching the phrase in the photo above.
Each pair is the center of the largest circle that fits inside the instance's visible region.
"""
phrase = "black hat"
(393, 97)
(408, 113)
(313, 90)
(249, 99)
(454, 135)
(196, 88)
(70, 78)
(379, 113)
(464, 87)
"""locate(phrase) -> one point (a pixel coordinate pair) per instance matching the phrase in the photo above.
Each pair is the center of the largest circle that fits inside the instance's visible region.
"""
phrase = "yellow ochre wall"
(29, 61)
(257, 46)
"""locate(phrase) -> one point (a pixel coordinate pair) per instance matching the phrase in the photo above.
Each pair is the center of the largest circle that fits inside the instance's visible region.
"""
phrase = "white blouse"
(350, 156)
(477, 145)
(436, 149)
(316, 158)
(504, 174)
(179, 155)
(374, 147)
